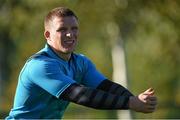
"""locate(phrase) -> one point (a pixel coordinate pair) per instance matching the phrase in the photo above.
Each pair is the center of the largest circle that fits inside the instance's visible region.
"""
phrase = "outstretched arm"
(119, 98)
(94, 98)
(145, 102)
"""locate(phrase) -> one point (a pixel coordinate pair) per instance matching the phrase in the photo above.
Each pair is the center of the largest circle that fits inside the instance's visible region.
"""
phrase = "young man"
(55, 76)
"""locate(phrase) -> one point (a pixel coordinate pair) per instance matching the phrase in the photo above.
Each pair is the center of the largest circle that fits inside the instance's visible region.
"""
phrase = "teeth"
(69, 41)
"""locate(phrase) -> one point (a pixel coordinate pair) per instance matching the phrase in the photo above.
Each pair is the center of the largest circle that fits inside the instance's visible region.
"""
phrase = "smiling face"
(62, 35)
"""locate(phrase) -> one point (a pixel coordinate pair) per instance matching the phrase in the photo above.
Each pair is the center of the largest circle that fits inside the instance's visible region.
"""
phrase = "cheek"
(76, 35)
(58, 37)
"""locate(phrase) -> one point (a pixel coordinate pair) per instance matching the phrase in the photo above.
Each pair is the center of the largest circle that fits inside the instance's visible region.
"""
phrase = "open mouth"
(69, 42)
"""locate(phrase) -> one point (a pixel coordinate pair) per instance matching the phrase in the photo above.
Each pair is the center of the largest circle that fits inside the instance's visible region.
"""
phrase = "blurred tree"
(151, 31)
(6, 46)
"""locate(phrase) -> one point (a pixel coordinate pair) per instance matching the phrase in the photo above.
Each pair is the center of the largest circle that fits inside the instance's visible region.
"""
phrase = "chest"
(73, 70)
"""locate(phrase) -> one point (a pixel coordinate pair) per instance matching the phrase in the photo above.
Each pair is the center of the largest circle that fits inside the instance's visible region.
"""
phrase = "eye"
(74, 28)
(62, 29)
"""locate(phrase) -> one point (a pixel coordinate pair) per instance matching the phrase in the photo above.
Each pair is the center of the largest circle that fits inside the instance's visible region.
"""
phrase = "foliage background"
(150, 30)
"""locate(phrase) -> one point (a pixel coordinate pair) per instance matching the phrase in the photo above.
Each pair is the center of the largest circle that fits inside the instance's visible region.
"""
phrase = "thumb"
(149, 91)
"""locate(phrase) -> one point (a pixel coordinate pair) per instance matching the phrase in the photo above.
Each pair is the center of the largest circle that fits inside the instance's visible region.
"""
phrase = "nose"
(69, 34)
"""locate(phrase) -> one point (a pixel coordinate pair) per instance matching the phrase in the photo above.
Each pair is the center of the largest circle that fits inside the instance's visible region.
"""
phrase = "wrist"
(133, 102)
(130, 102)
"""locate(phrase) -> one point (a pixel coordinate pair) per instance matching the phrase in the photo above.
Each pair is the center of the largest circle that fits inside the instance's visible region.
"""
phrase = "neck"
(64, 56)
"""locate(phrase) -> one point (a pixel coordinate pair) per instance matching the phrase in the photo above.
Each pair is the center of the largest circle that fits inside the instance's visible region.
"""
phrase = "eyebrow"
(60, 28)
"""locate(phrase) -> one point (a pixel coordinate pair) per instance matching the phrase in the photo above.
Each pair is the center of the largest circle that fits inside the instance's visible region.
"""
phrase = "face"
(62, 34)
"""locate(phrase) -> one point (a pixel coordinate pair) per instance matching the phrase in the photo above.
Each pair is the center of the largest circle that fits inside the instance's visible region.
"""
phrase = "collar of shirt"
(51, 53)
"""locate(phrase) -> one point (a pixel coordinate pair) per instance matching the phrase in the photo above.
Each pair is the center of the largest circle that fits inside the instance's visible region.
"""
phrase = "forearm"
(114, 88)
(94, 98)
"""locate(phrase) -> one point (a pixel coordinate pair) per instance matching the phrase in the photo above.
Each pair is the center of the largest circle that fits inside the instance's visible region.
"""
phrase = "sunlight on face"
(63, 34)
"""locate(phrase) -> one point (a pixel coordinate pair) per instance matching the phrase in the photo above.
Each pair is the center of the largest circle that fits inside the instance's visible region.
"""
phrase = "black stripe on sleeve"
(114, 88)
(97, 99)
(120, 91)
(103, 99)
(85, 98)
(109, 100)
(123, 102)
(93, 98)
(74, 92)
(105, 85)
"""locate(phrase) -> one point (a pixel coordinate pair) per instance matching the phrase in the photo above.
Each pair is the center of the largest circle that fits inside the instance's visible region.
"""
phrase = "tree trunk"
(119, 72)
(118, 62)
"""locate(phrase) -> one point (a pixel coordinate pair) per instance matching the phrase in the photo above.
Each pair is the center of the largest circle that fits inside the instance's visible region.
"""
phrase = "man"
(55, 76)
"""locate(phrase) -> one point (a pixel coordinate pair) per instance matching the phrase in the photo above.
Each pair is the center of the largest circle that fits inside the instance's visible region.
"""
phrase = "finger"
(149, 97)
(149, 91)
(151, 108)
(153, 103)
(152, 98)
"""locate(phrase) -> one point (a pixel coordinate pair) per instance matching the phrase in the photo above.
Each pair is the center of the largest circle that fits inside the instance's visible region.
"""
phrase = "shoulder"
(41, 56)
(41, 61)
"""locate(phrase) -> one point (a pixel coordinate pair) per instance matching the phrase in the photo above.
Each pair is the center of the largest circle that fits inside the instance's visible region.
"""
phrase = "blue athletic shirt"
(42, 80)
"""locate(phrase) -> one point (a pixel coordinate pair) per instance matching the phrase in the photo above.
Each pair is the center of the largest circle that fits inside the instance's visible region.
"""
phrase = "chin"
(68, 51)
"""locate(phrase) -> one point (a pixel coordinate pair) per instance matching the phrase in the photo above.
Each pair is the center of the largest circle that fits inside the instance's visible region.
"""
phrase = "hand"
(145, 102)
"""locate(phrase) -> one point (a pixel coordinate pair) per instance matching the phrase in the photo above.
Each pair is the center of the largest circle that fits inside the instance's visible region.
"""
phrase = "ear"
(47, 35)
